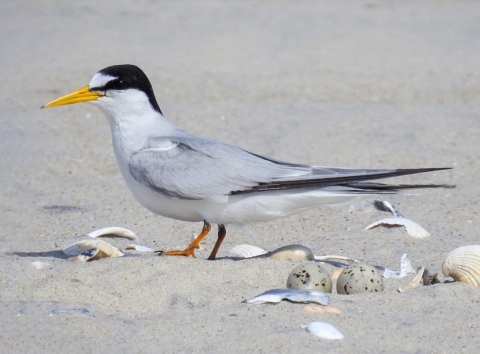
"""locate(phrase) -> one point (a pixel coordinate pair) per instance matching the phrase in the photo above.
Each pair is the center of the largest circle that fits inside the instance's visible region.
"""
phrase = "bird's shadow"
(49, 254)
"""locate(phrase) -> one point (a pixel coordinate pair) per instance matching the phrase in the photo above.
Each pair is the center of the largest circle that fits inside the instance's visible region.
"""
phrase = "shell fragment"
(405, 269)
(139, 248)
(277, 295)
(413, 229)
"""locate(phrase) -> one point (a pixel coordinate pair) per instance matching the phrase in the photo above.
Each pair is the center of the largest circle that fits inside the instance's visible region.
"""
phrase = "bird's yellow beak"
(81, 95)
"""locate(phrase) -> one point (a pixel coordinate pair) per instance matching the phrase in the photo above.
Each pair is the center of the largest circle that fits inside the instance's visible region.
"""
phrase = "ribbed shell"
(463, 264)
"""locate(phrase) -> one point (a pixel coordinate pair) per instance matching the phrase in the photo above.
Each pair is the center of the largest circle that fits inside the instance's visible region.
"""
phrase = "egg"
(310, 276)
(360, 278)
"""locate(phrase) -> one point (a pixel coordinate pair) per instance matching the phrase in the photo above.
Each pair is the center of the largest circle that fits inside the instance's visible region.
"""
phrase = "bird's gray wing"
(189, 167)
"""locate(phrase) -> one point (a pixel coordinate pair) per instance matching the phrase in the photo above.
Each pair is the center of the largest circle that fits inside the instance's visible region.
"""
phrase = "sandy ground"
(359, 84)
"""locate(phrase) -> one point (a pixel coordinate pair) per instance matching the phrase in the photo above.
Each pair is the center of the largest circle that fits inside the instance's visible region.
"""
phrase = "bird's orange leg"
(222, 232)
(190, 250)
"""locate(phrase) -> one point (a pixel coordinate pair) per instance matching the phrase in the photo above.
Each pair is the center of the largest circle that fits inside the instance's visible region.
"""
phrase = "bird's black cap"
(128, 76)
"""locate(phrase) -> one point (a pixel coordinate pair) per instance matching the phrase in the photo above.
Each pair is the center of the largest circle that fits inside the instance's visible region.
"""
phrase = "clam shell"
(80, 247)
(323, 330)
(463, 264)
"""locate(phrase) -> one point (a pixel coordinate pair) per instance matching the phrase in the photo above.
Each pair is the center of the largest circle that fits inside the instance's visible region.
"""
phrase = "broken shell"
(323, 330)
(139, 248)
(416, 282)
(412, 228)
(463, 264)
(292, 253)
(39, 265)
(277, 295)
(359, 278)
(113, 231)
(310, 276)
(247, 251)
(80, 247)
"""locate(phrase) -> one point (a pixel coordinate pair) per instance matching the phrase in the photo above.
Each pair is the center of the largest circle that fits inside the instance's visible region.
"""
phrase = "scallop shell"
(247, 251)
(463, 264)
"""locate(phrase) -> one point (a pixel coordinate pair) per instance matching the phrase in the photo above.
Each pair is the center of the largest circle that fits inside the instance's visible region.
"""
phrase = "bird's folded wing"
(190, 167)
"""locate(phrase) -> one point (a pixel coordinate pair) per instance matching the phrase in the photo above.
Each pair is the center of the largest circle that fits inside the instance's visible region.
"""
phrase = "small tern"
(185, 177)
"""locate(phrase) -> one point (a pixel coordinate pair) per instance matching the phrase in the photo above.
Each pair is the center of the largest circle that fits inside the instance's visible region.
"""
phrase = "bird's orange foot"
(186, 252)
(190, 250)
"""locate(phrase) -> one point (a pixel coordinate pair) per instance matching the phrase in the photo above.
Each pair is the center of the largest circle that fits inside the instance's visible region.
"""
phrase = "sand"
(358, 84)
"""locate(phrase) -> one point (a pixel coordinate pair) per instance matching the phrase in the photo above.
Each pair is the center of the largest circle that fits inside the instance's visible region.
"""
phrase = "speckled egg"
(310, 276)
(359, 278)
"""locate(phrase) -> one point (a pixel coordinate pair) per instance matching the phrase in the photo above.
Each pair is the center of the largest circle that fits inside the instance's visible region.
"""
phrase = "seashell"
(139, 248)
(405, 269)
(247, 251)
(310, 276)
(413, 229)
(463, 264)
(416, 282)
(359, 278)
(113, 231)
(277, 295)
(292, 253)
(323, 330)
(104, 250)
(322, 309)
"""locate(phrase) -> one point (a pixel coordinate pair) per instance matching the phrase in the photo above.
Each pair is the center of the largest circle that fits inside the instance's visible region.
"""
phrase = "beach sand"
(358, 84)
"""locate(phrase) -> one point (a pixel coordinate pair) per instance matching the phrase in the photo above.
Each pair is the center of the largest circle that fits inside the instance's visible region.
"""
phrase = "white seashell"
(247, 251)
(463, 264)
(113, 231)
(413, 229)
(80, 247)
(323, 330)
(405, 269)
(416, 282)
(277, 295)
(40, 265)
(139, 248)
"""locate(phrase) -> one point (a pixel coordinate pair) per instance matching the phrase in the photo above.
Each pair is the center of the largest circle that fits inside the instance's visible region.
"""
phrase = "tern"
(182, 176)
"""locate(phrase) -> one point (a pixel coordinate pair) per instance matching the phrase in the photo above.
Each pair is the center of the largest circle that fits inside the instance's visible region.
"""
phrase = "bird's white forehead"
(100, 80)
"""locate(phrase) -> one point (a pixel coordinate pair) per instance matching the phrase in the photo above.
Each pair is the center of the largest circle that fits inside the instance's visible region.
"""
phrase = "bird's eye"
(120, 85)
